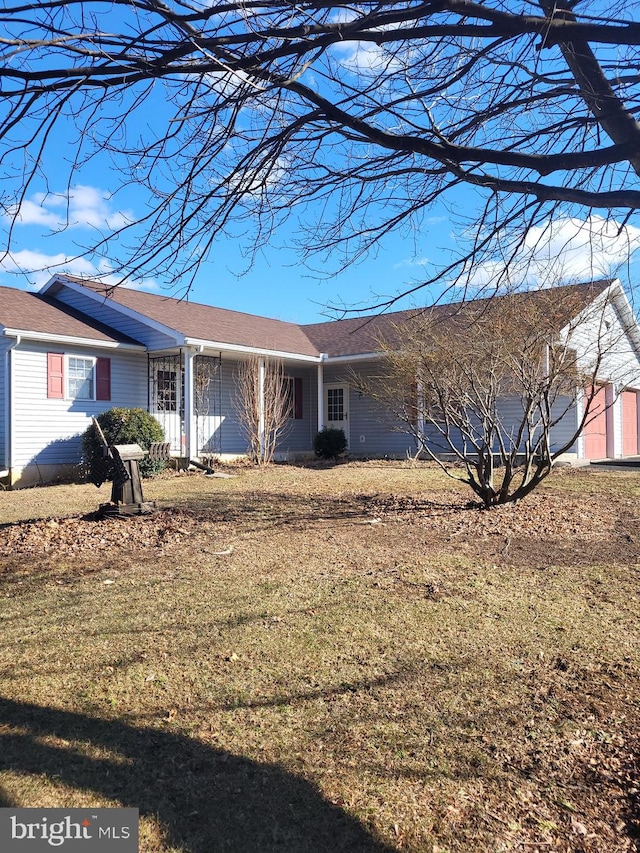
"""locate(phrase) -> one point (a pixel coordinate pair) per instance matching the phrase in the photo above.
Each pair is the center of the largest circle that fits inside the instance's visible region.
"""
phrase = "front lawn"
(308, 659)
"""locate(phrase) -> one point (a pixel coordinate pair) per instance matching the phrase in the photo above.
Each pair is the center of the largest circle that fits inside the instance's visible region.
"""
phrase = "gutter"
(343, 359)
(69, 339)
(247, 350)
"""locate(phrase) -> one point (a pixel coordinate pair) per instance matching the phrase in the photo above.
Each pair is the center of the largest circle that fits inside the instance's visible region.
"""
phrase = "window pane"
(335, 404)
(166, 391)
(80, 378)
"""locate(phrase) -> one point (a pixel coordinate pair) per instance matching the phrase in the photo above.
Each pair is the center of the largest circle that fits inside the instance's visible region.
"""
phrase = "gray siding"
(385, 435)
(373, 431)
(298, 438)
(106, 313)
(232, 439)
(511, 415)
(47, 431)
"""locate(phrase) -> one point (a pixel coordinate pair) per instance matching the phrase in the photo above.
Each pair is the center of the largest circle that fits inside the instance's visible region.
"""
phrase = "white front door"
(336, 408)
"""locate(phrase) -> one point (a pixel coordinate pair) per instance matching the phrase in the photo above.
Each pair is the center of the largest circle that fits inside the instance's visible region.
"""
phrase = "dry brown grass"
(374, 666)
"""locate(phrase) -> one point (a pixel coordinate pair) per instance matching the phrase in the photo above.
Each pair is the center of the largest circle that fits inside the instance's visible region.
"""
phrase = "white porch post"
(320, 396)
(261, 404)
(191, 442)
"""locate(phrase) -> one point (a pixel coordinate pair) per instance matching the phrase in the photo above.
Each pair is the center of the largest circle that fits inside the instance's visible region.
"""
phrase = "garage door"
(595, 431)
(629, 423)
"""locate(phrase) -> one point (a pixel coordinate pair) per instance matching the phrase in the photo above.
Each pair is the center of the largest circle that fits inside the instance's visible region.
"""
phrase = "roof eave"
(46, 337)
(242, 349)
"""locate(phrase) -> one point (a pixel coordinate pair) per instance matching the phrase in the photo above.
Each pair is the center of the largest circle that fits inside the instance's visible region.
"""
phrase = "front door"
(166, 398)
(336, 408)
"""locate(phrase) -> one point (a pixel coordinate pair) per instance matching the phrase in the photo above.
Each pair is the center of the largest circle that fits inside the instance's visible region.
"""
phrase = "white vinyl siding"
(47, 431)
(602, 333)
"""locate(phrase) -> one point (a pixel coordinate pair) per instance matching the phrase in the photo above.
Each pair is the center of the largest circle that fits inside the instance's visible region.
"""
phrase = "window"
(335, 404)
(74, 377)
(166, 391)
(80, 378)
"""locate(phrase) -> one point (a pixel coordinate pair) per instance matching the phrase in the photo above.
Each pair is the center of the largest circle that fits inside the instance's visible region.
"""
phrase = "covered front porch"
(192, 392)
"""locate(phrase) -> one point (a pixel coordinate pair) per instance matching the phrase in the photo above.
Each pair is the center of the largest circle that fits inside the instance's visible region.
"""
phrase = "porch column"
(320, 396)
(261, 378)
(191, 439)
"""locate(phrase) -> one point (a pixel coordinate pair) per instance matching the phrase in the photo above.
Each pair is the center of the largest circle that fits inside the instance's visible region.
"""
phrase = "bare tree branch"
(351, 121)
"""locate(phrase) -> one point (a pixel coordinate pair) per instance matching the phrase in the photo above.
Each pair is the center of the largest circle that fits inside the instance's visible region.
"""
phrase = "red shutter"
(55, 375)
(297, 398)
(103, 379)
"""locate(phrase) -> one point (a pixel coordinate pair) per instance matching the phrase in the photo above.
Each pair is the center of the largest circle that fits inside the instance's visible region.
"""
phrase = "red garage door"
(629, 423)
(595, 431)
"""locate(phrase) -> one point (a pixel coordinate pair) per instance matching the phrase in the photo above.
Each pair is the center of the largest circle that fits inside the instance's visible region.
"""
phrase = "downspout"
(321, 392)
(8, 407)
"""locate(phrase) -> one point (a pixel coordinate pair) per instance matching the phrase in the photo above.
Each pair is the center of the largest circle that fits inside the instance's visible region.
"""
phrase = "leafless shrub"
(263, 405)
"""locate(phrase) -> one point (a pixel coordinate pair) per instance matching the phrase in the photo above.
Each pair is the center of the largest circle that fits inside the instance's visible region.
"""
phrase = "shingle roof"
(206, 323)
(353, 336)
(34, 312)
(356, 336)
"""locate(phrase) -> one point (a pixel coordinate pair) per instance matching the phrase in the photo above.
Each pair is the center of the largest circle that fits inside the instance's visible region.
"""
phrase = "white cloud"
(364, 58)
(562, 250)
(82, 207)
(411, 262)
(37, 268)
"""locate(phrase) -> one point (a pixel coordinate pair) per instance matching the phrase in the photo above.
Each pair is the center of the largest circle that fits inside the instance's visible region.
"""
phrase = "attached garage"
(595, 430)
(629, 423)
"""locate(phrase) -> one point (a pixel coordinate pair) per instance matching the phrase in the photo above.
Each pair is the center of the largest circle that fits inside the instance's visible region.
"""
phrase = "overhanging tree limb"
(355, 119)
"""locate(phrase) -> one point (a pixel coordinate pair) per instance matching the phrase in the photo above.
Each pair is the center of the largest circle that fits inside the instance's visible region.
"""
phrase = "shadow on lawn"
(269, 510)
(205, 799)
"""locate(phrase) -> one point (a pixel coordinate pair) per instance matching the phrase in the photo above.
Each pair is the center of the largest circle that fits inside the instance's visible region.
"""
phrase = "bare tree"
(263, 403)
(489, 383)
(355, 118)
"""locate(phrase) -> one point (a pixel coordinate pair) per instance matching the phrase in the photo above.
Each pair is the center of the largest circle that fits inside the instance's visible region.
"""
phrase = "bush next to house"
(123, 426)
(330, 443)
